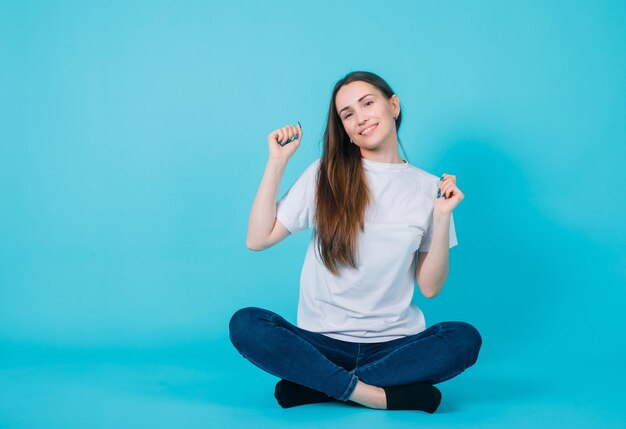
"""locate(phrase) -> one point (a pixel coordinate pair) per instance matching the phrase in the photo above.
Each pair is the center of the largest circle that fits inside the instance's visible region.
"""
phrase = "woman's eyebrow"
(357, 102)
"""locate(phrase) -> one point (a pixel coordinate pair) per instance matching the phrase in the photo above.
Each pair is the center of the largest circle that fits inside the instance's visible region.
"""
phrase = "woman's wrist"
(441, 216)
(277, 162)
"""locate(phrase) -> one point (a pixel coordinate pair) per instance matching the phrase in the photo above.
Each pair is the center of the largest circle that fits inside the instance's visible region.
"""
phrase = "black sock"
(416, 396)
(290, 394)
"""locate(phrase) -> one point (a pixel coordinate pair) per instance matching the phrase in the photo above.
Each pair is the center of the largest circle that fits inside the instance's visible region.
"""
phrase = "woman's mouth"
(369, 130)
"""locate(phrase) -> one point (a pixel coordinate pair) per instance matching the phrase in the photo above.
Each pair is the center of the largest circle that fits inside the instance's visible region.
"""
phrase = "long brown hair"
(342, 195)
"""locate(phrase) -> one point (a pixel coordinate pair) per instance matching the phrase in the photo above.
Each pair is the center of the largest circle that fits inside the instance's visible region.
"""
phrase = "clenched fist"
(283, 142)
(448, 195)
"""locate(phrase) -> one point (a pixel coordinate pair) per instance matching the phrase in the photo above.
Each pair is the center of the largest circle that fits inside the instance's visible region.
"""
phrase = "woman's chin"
(370, 144)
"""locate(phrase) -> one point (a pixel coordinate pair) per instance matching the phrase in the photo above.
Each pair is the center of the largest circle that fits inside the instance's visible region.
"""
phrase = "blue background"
(132, 144)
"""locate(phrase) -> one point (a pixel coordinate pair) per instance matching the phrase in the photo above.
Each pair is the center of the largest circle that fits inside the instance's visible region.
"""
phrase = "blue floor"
(212, 386)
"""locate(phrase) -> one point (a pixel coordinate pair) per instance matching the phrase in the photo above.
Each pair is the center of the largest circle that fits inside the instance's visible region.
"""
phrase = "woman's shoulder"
(422, 174)
(312, 168)
(310, 171)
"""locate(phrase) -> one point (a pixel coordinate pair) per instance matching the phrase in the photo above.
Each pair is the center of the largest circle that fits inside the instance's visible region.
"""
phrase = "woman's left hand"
(450, 195)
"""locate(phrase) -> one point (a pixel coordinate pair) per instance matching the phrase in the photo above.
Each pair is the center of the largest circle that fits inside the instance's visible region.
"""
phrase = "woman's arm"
(433, 266)
(282, 144)
(263, 212)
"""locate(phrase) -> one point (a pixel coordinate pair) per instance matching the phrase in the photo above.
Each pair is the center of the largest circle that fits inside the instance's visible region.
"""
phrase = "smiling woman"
(359, 335)
(370, 116)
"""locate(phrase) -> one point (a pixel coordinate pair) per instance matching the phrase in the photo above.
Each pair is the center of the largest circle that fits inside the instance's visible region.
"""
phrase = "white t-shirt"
(374, 302)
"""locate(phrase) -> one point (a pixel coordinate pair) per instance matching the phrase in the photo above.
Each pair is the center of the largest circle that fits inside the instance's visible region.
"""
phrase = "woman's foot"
(420, 396)
(290, 394)
(369, 396)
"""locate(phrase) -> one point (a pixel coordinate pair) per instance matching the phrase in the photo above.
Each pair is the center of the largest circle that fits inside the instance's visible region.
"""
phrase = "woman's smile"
(369, 130)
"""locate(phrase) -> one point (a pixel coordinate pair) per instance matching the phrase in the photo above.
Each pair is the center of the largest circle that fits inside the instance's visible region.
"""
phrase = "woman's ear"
(395, 101)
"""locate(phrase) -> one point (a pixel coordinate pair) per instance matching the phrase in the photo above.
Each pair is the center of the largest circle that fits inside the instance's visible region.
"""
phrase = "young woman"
(380, 225)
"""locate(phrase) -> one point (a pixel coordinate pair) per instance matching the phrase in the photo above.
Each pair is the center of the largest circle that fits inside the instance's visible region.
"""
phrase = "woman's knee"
(243, 323)
(469, 341)
(474, 343)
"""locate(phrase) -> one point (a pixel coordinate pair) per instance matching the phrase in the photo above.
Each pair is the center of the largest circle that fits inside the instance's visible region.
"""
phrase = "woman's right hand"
(282, 135)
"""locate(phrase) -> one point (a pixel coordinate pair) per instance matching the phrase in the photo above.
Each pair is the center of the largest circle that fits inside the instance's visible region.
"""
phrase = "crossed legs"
(320, 363)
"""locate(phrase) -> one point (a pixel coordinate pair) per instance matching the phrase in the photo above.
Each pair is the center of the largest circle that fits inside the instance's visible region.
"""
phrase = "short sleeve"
(428, 237)
(295, 209)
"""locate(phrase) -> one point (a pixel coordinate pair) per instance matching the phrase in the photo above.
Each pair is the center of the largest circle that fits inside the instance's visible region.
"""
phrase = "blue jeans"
(332, 366)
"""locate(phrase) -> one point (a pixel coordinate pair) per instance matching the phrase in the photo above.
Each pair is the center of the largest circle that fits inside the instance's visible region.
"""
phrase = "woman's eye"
(367, 103)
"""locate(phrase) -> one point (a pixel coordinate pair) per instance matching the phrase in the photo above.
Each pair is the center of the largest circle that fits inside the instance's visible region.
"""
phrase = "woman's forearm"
(434, 271)
(263, 212)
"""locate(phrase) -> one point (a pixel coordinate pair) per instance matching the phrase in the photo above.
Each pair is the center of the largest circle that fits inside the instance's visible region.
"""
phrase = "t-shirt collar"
(384, 165)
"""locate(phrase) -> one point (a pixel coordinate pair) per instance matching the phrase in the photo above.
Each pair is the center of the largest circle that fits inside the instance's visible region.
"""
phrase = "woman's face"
(362, 106)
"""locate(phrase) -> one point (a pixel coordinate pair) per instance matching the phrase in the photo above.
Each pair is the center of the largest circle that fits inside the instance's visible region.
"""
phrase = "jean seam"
(383, 359)
(350, 388)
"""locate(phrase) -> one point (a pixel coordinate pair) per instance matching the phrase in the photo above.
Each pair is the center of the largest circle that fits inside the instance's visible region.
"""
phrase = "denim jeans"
(332, 366)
